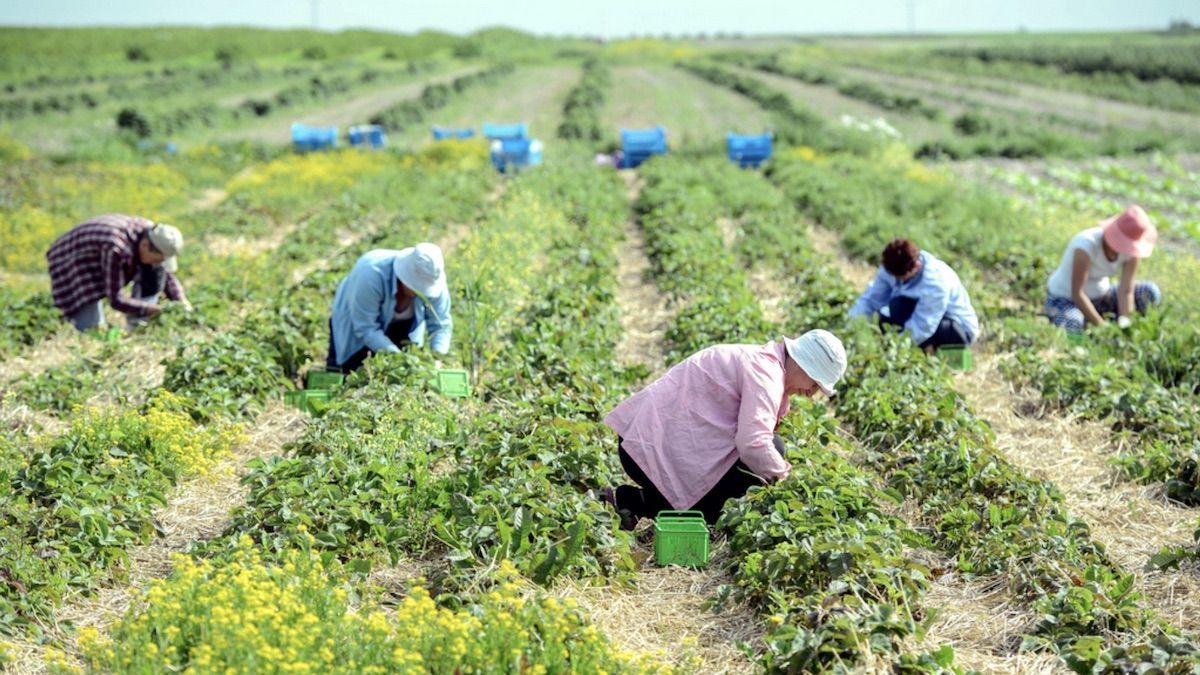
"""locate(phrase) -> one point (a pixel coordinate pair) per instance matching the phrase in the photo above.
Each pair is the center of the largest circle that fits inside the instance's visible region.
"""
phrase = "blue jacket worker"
(921, 294)
(390, 298)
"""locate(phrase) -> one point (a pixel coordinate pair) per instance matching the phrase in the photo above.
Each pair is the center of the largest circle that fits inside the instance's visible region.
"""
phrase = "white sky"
(616, 17)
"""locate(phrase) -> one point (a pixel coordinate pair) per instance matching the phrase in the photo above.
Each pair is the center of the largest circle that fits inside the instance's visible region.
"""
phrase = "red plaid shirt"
(98, 258)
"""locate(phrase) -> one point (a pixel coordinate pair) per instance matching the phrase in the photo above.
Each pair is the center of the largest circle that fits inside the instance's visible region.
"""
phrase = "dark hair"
(900, 257)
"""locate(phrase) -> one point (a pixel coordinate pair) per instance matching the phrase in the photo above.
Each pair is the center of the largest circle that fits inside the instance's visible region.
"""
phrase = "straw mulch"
(1132, 521)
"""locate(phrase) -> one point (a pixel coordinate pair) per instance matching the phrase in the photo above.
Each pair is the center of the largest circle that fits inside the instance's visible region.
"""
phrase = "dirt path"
(644, 311)
(664, 610)
(859, 274)
(1132, 521)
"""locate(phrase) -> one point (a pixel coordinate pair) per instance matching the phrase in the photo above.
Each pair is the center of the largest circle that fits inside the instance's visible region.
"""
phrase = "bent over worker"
(704, 432)
(1079, 291)
(97, 258)
(389, 299)
(915, 290)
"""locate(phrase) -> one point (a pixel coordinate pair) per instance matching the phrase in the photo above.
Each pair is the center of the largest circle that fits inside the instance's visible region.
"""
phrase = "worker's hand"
(437, 364)
(153, 310)
(187, 307)
(1123, 322)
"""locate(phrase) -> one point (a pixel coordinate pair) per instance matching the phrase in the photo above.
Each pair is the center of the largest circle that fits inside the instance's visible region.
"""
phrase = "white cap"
(422, 269)
(821, 355)
(169, 241)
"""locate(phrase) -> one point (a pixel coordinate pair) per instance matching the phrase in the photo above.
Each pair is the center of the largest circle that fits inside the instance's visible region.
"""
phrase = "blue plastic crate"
(638, 145)
(505, 131)
(367, 135)
(306, 138)
(748, 151)
(511, 154)
(443, 133)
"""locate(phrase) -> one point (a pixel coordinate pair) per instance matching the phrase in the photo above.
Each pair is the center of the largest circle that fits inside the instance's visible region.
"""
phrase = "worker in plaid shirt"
(98, 258)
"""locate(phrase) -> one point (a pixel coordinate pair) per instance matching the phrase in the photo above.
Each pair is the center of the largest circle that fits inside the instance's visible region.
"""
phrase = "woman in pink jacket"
(704, 432)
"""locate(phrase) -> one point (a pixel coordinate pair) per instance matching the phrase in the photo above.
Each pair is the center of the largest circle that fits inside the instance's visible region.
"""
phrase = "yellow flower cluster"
(12, 151)
(246, 616)
(295, 176)
(173, 439)
(52, 200)
(805, 153)
(457, 154)
(196, 450)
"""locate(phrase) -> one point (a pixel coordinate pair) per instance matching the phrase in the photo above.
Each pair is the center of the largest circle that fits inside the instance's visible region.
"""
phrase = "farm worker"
(96, 259)
(390, 298)
(1079, 290)
(918, 292)
(704, 432)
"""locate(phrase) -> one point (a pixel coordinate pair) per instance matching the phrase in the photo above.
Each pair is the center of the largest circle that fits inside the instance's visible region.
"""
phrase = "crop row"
(581, 110)
(1140, 382)
(472, 484)
(106, 482)
(1087, 192)
(391, 472)
(1166, 59)
(435, 97)
(815, 553)
(968, 70)
(985, 514)
(152, 120)
(177, 81)
(975, 133)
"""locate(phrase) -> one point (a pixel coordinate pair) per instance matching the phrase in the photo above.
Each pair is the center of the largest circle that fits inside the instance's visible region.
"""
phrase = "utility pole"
(912, 16)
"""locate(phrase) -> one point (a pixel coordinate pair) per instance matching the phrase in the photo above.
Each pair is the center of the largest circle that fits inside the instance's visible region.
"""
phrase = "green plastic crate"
(111, 334)
(452, 382)
(308, 400)
(681, 538)
(320, 379)
(959, 358)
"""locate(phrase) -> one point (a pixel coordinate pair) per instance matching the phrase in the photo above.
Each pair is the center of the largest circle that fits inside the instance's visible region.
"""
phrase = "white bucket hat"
(821, 355)
(169, 241)
(422, 269)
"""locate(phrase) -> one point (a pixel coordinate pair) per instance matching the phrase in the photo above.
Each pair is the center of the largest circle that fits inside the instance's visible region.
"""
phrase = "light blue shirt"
(938, 291)
(366, 301)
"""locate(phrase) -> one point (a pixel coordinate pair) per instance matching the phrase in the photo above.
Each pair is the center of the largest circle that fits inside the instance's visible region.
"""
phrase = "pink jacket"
(689, 427)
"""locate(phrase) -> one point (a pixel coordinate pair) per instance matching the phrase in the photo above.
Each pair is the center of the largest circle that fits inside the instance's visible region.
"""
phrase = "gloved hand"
(187, 307)
(1123, 322)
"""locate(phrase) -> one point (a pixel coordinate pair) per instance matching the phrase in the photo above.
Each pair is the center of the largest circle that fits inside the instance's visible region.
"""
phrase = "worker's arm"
(365, 295)
(113, 278)
(757, 419)
(439, 323)
(174, 289)
(1125, 304)
(1079, 274)
(878, 293)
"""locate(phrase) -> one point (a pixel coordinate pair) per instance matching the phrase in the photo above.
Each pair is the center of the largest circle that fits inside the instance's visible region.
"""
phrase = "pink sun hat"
(1131, 232)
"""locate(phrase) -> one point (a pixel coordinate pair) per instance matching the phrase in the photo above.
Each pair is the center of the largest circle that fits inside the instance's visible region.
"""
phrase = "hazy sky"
(616, 17)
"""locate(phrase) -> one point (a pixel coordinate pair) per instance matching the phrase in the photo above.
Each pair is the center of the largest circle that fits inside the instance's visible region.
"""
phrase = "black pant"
(150, 281)
(645, 501)
(397, 332)
(948, 333)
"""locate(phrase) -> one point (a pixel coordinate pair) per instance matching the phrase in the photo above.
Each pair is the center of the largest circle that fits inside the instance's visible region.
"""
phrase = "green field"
(165, 508)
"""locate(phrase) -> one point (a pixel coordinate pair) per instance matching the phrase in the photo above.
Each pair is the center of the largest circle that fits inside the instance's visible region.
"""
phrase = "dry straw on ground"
(666, 612)
(1132, 521)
